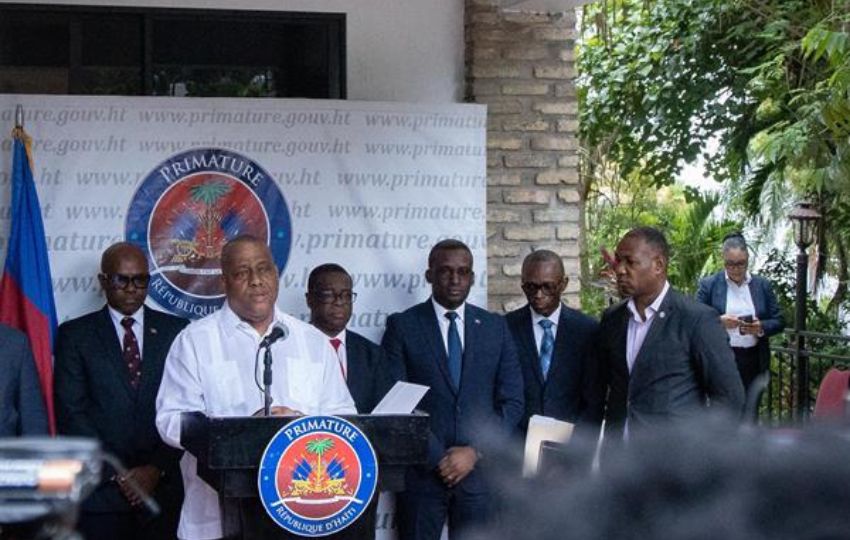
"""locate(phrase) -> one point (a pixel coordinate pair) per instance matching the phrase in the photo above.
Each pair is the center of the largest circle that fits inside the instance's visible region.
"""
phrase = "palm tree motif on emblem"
(209, 194)
(316, 478)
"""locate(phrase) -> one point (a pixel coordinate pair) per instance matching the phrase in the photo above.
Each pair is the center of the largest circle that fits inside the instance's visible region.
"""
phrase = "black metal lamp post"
(805, 219)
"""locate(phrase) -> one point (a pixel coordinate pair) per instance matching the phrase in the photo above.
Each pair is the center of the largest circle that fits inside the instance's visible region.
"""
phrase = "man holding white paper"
(330, 297)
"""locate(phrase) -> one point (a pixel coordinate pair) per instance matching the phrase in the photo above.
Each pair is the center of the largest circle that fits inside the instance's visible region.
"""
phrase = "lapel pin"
(153, 331)
(662, 314)
(477, 321)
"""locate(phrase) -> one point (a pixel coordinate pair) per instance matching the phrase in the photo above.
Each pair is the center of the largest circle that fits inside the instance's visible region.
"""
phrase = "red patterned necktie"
(130, 351)
(335, 343)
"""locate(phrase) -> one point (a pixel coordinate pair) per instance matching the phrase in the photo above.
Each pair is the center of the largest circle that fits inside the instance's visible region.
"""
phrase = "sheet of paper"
(401, 399)
(542, 428)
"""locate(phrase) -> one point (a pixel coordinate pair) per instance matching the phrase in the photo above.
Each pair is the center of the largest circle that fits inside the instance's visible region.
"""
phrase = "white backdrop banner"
(371, 186)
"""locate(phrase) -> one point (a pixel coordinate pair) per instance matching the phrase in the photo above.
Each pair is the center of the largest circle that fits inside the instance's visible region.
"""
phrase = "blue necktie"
(455, 349)
(547, 345)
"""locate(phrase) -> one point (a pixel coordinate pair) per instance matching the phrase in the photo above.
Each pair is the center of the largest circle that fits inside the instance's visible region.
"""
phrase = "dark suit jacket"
(712, 292)
(369, 377)
(490, 393)
(570, 391)
(94, 398)
(685, 361)
(22, 410)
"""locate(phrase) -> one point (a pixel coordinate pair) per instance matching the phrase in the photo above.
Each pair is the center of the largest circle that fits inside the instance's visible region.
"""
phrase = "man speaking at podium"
(211, 368)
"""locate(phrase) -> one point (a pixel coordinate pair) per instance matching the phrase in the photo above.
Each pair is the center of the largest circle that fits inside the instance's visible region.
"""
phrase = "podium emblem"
(317, 475)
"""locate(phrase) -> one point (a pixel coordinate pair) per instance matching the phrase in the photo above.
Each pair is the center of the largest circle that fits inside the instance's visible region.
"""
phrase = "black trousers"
(137, 524)
(748, 364)
(421, 514)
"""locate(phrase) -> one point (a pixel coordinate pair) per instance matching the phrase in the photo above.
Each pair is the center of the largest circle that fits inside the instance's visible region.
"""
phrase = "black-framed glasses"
(329, 297)
(548, 289)
(736, 264)
(122, 281)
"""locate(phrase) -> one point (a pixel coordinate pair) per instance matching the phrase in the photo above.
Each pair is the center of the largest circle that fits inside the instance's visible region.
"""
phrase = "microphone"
(280, 331)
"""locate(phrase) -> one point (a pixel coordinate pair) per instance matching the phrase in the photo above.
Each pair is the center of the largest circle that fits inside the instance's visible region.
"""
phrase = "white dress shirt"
(739, 302)
(555, 316)
(138, 326)
(444, 322)
(210, 368)
(638, 328)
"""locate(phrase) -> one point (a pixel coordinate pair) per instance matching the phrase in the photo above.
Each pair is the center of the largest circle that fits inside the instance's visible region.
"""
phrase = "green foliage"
(780, 271)
(685, 215)
(767, 80)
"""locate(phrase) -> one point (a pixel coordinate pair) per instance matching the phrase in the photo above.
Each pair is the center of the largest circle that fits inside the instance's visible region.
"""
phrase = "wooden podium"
(229, 449)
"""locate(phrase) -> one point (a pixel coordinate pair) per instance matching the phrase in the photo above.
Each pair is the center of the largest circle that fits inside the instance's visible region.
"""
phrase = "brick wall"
(521, 65)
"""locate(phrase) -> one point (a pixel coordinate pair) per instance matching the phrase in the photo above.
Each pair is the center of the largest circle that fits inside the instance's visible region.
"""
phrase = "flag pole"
(19, 116)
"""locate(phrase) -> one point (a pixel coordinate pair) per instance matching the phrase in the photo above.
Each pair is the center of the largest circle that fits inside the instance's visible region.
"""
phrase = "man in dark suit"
(467, 357)
(556, 346)
(22, 409)
(663, 356)
(330, 298)
(108, 369)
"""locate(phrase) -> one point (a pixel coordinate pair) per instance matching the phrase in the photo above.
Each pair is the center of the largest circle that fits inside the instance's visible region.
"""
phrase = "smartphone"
(747, 319)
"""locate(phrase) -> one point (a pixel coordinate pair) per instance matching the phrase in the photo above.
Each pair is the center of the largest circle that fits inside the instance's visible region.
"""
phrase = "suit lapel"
(428, 320)
(619, 339)
(151, 353)
(107, 336)
(528, 343)
(353, 364)
(471, 341)
(563, 353)
(755, 294)
(720, 292)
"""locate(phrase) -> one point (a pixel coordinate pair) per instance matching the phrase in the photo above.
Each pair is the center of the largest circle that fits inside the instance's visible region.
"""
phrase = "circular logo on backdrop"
(187, 208)
(317, 475)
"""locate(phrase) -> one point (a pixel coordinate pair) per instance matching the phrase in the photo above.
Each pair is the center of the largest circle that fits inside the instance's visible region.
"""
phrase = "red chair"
(830, 402)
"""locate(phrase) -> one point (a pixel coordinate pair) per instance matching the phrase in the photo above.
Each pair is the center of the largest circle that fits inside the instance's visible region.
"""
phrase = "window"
(181, 52)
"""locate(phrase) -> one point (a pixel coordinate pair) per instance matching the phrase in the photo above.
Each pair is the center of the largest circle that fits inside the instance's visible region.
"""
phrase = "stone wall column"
(521, 65)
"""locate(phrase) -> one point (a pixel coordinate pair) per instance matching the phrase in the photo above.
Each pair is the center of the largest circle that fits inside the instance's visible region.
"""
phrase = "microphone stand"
(267, 381)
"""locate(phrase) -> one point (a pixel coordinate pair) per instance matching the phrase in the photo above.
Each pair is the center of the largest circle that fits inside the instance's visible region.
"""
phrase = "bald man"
(556, 346)
(108, 370)
(210, 369)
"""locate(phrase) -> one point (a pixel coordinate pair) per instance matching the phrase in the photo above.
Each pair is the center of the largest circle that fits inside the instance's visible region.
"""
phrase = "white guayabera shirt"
(210, 368)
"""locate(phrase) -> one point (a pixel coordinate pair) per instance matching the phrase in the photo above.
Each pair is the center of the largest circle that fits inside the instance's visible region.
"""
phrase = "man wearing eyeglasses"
(362, 364)
(466, 356)
(556, 346)
(108, 368)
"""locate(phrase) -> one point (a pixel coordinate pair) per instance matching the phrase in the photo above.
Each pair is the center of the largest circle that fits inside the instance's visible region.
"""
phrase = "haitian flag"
(26, 290)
